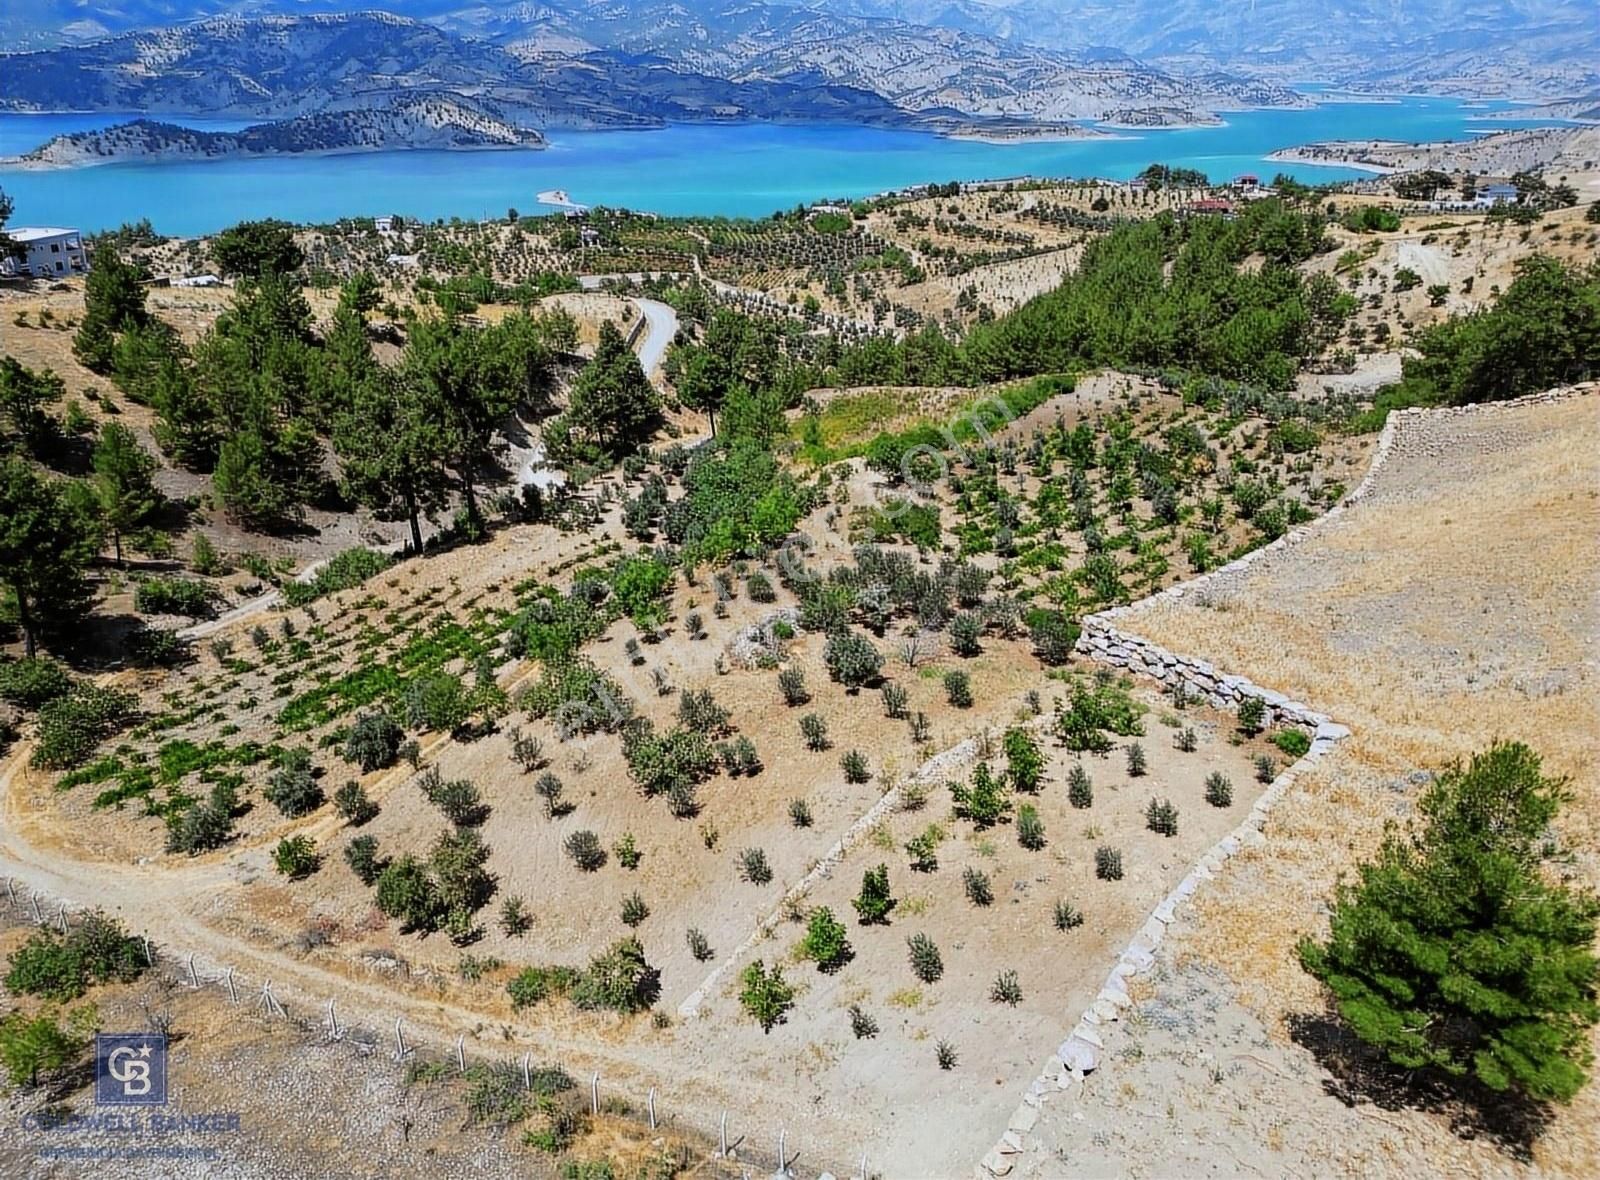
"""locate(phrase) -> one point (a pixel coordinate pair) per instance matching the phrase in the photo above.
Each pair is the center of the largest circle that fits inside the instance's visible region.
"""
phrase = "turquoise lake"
(736, 170)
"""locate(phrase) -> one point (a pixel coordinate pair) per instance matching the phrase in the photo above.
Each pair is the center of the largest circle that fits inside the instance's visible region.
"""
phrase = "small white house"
(1493, 194)
(49, 252)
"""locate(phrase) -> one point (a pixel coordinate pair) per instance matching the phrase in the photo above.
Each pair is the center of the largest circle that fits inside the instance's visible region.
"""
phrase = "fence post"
(650, 1105)
(594, 1093)
(334, 1031)
(527, 1071)
(61, 918)
(233, 992)
(461, 1053)
(194, 975)
(722, 1136)
(400, 1050)
(38, 918)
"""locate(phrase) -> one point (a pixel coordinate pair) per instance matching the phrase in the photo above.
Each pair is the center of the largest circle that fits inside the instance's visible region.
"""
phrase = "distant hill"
(1526, 48)
(413, 120)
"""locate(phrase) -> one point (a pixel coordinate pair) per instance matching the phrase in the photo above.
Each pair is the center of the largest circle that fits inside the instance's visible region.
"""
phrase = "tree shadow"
(1358, 1074)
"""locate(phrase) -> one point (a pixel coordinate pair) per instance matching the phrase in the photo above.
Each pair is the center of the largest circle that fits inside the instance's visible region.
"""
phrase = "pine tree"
(1454, 951)
(123, 483)
(47, 538)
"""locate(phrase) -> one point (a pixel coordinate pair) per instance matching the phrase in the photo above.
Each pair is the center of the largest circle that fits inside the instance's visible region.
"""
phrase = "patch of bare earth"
(1455, 605)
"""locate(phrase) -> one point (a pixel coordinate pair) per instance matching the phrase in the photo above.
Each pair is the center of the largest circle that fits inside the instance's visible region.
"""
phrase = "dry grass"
(1455, 606)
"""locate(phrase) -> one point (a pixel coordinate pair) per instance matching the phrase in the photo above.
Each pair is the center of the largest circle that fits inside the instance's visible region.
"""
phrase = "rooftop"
(37, 233)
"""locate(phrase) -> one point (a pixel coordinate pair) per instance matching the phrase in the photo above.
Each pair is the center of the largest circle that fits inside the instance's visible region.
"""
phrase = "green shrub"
(35, 1045)
(619, 980)
(292, 788)
(873, 903)
(586, 851)
(1294, 742)
(854, 765)
(1030, 828)
(405, 891)
(923, 849)
(1024, 762)
(862, 1025)
(1107, 863)
(1066, 915)
(534, 985)
(1006, 989)
(71, 726)
(458, 799)
(361, 854)
(1252, 715)
(958, 689)
(296, 857)
(979, 890)
(815, 731)
(984, 800)
(825, 942)
(895, 701)
(200, 828)
(62, 967)
(966, 630)
(927, 964)
(792, 683)
(1137, 764)
(1219, 791)
(437, 701)
(945, 1054)
(1084, 724)
(373, 742)
(664, 764)
(344, 571)
(765, 995)
(353, 803)
(852, 660)
(515, 921)
(174, 596)
(33, 682)
(634, 910)
(627, 852)
(1161, 817)
(753, 867)
(699, 945)
(1080, 788)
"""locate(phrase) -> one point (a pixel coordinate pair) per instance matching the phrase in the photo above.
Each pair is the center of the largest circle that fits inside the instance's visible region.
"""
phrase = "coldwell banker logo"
(130, 1069)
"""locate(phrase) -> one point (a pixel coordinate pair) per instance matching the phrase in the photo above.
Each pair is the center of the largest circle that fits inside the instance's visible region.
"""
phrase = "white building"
(49, 252)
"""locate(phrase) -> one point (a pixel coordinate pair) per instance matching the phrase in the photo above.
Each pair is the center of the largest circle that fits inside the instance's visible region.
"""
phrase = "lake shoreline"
(691, 170)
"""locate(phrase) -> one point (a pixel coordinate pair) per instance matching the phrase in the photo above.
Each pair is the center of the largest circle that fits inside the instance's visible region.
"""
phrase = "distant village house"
(48, 252)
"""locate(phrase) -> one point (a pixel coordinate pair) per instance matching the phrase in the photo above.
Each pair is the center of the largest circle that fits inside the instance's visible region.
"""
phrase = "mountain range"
(445, 73)
(1519, 48)
(532, 68)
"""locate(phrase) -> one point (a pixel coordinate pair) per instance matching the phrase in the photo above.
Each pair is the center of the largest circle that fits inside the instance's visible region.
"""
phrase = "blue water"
(743, 170)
